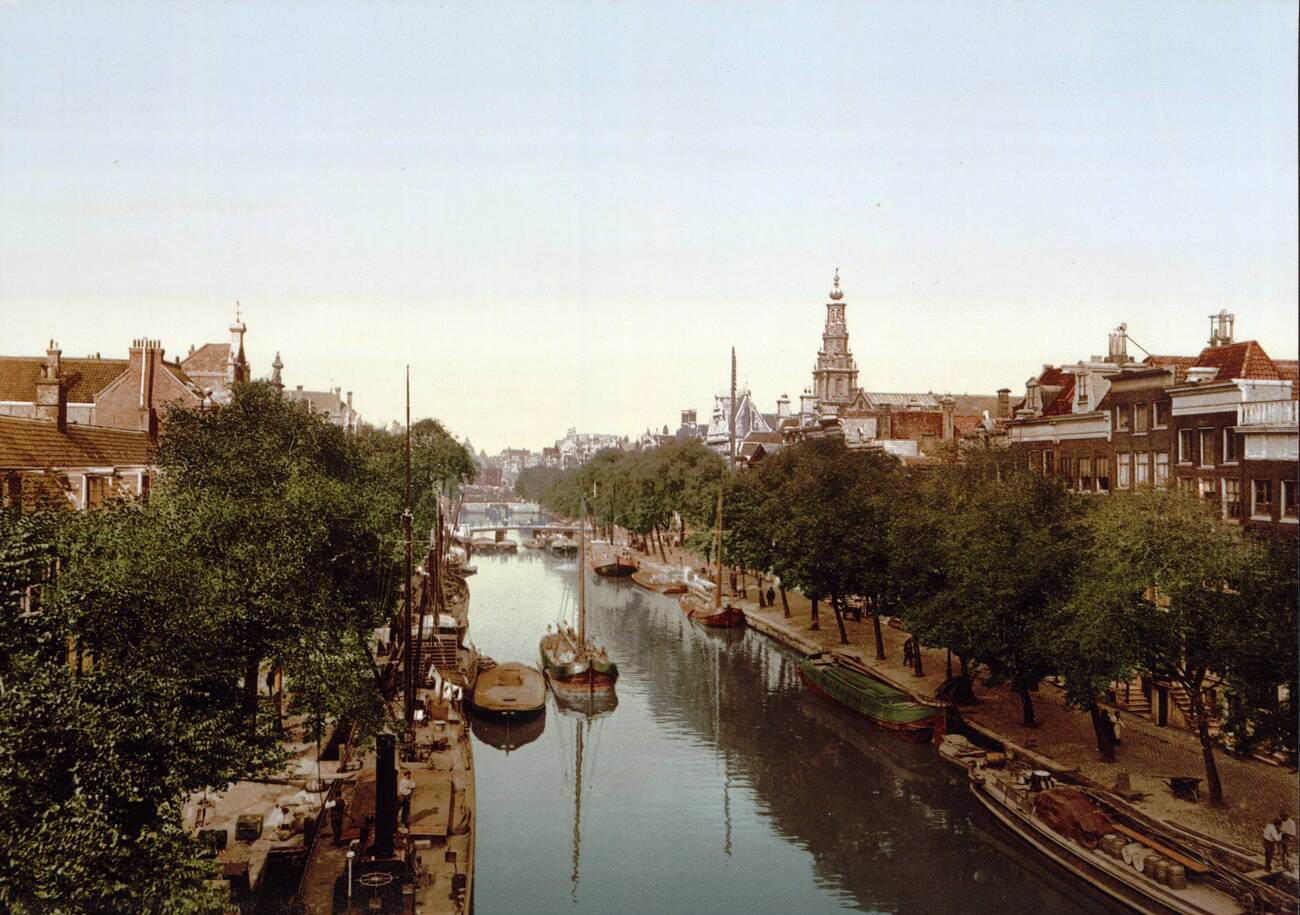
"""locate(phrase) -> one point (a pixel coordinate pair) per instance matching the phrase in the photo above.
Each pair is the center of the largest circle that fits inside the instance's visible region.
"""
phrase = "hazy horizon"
(564, 215)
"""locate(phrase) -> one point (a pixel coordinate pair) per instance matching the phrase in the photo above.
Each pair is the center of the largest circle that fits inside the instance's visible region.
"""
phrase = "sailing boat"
(569, 659)
(695, 604)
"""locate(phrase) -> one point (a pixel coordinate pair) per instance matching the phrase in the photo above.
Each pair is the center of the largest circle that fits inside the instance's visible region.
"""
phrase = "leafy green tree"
(1181, 577)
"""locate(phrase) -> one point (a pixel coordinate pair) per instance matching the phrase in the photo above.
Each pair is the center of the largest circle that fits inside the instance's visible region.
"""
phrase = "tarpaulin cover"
(1073, 815)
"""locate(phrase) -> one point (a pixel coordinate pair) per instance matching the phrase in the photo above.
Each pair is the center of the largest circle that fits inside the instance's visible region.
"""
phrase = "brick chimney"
(1221, 328)
(948, 404)
(51, 395)
(145, 360)
(1004, 403)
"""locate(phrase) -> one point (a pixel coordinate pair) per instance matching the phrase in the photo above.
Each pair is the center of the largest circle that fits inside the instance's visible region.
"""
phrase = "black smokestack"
(385, 796)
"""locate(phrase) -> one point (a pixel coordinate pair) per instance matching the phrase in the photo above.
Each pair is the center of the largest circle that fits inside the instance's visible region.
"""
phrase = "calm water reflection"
(717, 785)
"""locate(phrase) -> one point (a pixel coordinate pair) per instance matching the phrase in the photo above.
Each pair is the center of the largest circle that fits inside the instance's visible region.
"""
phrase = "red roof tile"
(1289, 370)
(914, 424)
(1238, 360)
(1063, 402)
(85, 377)
(38, 444)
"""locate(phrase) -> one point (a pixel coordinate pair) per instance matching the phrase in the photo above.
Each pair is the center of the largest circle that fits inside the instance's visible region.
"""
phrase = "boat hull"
(1081, 864)
(614, 570)
(725, 617)
(509, 691)
(651, 583)
(918, 728)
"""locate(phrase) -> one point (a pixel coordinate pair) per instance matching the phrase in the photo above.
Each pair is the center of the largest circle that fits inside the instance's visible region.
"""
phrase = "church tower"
(835, 376)
(236, 361)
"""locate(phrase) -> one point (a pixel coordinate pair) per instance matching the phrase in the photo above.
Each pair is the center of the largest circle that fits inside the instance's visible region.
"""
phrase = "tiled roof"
(913, 424)
(1238, 360)
(38, 444)
(85, 377)
(1177, 364)
(210, 357)
(319, 401)
(768, 437)
(964, 425)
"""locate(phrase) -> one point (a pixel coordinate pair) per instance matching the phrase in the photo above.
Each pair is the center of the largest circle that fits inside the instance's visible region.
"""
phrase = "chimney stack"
(947, 403)
(885, 424)
(1221, 328)
(1118, 351)
(385, 795)
(1004, 403)
(688, 418)
(51, 395)
(349, 400)
(783, 406)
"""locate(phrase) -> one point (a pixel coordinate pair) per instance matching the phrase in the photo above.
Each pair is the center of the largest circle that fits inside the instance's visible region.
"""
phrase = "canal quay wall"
(1063, 741)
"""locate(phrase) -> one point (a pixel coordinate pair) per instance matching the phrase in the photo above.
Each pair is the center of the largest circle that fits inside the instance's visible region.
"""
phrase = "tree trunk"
(839, 618)
(1027, 708)
(662, 553)
(815, 623)
(251, 666)
(879, 633)
(1099, 727)
(1201, 717)
(744, 591)
(917, 669)
(949, 661)
(785, 603)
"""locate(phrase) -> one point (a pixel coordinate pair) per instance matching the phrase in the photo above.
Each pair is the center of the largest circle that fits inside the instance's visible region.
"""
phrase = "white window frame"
(1241, 501)
(1202, 436)
(1185, 454)
(1141, 409)
(1230, 445)
(1141, 469)
(1254, 509)
(1161, 480)
(1288, 487)
(1123, 419)
(1123, 470)
(1155, 415)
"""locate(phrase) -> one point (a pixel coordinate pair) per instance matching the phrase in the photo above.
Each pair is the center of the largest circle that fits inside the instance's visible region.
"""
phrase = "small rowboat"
(621, 567)
(851, 683)
(510, 690)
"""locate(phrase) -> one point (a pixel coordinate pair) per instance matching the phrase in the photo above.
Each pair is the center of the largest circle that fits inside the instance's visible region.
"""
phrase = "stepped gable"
(84, 378)
(29, 443)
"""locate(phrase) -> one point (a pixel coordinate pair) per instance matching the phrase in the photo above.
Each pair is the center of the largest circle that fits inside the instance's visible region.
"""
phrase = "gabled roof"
(1289, 370)
(318, 401)
(28, 444)
(210, 357)
(84, 377)
(1238, 360)
(1063, 403)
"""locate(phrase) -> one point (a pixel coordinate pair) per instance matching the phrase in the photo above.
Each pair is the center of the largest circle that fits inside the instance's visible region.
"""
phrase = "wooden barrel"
(1177, 877)
(1160, 870)
(1112, 844)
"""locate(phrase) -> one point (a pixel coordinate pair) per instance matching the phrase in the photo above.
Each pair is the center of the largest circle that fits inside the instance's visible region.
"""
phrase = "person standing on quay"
(1288, 838)
(405, 788)
(1272, 842)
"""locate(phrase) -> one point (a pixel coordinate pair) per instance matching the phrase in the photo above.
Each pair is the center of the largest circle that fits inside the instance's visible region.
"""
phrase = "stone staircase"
(1129, 696)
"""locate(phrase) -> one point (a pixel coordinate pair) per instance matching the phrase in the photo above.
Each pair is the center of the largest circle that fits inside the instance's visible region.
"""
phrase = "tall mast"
(577, 806)
(731, 425)
(582, 583)
(409, 667)
(717, 554)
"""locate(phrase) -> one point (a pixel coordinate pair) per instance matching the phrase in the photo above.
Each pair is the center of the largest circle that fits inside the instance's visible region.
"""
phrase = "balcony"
(1279, 414)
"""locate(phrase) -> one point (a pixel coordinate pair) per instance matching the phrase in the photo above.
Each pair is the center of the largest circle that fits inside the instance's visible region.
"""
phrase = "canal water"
(716, 784)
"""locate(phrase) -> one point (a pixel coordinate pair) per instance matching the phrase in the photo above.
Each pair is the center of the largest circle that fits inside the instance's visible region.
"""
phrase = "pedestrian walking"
(405, 788)
(907, 653)
(771, 596)
(1116, 726)
(338, 807)
(1288, 838)
(1272, 842)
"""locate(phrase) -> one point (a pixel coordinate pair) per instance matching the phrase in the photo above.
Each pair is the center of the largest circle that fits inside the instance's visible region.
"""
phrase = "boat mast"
(582, 584)
(717, 555)
(408, 668)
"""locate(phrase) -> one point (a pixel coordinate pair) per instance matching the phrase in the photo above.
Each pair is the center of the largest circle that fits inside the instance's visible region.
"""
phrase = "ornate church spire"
(835, 375)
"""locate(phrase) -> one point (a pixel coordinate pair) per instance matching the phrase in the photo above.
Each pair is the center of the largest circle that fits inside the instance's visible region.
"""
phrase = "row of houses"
(77, 431)
(1221, 424)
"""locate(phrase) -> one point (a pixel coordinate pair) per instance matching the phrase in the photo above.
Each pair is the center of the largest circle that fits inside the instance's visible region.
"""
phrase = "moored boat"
(708, 607)
(562, 546)
(659, 582)
(510, 690)
(1138, 870)
(621, 566)
(846, 680)
(569, 659)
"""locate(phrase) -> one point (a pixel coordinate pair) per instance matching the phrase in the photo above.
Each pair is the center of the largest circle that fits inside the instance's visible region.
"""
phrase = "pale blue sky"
(564, 214)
